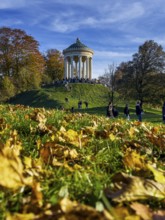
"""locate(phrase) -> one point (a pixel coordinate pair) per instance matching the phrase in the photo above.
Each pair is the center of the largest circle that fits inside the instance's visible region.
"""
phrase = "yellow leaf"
(28, 162)
(73, 154)
(19, 216)
(112, 137)
(132, 131)
(158, 175)
(13, 145)
(74, 210)
(133, 160)
(37, 198)
(70, 136)
(67, 205)
(131, 188)
(62, 129)
(11, 172)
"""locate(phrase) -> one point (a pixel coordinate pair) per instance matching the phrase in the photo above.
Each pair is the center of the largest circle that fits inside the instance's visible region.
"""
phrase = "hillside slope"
(96, 95)
(54, 97)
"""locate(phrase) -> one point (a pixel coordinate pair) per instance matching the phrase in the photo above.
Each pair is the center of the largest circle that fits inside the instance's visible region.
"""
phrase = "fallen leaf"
(142, 210)
(158, 174)
(131, 188)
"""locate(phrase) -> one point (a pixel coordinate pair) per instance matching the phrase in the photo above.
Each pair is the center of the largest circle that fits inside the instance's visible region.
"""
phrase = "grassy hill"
(96, 95)
(54, 97)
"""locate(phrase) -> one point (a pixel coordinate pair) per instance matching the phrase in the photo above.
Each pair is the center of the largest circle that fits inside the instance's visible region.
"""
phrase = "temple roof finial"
(78, 40)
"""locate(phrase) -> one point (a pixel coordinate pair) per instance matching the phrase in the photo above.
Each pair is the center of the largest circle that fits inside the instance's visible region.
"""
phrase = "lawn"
(95, 94)
(61, 165)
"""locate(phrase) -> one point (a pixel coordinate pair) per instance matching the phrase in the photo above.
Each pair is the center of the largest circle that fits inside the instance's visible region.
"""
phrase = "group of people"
(80, 105)
(112, 112)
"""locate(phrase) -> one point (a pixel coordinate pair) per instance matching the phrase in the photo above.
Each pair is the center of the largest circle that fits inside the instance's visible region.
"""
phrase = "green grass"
(101, 145)
(96, 95)
(54, 97)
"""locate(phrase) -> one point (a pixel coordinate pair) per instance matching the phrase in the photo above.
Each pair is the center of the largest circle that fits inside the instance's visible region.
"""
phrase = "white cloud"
(62, 27)
(102, 16)
(122, 12)
(10, 22)
(111, 54)
(12, 4)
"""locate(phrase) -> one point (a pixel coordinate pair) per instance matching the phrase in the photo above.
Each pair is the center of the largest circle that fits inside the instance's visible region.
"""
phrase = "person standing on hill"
(72, 109)
(163, 112)
(138, 111)
(115, 112)
(126, 112)
(110, 110)
(86, 104)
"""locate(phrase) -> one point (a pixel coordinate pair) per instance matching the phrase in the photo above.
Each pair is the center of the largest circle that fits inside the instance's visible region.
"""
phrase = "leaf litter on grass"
(136, 190)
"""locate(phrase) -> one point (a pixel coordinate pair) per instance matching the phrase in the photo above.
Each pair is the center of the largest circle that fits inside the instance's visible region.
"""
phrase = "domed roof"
(77, 46)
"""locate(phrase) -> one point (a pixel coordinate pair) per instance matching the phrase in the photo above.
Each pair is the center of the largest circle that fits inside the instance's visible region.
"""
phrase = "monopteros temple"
(78, 61)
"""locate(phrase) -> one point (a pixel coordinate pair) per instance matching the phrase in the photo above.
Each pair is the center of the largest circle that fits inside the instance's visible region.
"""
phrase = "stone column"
(83, 69)
(65, 68)
(80, 71)
(87, 67)
(72, 67)
(90, 68)
(69, 68)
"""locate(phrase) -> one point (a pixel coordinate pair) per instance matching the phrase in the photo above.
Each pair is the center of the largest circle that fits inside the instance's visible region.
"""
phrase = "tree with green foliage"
(7, 88)
(19, 53)
(124, 81)
(141, 77)
(147, 64)
(54, 64)
(30, 76)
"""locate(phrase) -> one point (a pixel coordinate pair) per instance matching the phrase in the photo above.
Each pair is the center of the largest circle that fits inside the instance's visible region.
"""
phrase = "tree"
(109, 79)
(7, 88)
(30, 76)
(125, 81)
(149, 61)
(143, 77)
(19, 51)
(54, 64)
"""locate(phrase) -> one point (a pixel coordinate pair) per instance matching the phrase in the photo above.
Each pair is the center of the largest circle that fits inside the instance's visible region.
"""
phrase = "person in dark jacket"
(138, 111)
(86, 104)
(126, 112)
(110, 110)
(115, 112)
(163, 112)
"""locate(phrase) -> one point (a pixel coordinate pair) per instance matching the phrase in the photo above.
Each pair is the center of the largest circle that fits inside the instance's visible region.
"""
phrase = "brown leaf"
(74, 211)
(134, 161)
(130, 188)
(11, 171)
(51, 151)
(37, 198)
(142, 210)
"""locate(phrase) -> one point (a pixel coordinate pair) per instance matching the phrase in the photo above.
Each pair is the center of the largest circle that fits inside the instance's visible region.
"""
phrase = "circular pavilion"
(78, 61)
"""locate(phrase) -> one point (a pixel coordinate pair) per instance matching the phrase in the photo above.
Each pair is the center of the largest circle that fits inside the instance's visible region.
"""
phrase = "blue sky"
(114, 29)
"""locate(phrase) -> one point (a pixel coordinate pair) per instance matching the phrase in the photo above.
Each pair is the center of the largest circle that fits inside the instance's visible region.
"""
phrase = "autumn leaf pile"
(65, 166)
